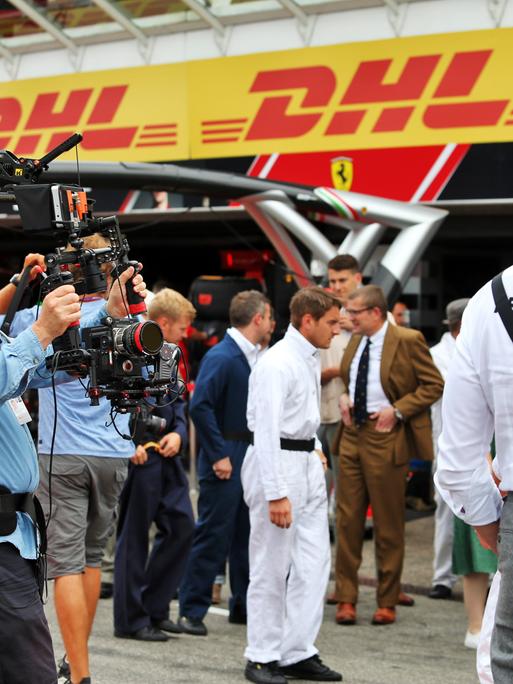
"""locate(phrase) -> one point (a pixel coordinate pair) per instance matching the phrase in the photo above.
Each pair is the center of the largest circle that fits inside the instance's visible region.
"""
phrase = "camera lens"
(139, 338)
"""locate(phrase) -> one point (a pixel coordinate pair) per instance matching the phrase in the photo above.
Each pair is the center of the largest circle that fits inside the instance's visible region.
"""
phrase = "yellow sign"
(406, 92)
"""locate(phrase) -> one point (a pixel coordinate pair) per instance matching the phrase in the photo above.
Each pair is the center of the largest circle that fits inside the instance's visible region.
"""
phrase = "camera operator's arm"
(37, 261)
(23, 355)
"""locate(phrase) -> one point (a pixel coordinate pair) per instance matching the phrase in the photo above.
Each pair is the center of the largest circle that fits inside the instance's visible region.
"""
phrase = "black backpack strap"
(503, 304)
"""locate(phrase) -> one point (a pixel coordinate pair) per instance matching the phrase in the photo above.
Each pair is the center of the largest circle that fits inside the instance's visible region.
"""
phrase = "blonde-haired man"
(157, 491)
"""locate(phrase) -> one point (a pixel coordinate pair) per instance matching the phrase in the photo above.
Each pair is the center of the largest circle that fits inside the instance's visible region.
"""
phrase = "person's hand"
(223, 468)
(117, 302)
(170, 444)
(60, 309)
(487, 535)
(386, 419)
(345, 409)
(280, 512)
(323, 459)
(140, 457)
(345, 322)
(37, 261)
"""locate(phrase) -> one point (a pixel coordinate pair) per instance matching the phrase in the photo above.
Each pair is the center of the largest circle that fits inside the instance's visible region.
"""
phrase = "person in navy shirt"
(218, 410)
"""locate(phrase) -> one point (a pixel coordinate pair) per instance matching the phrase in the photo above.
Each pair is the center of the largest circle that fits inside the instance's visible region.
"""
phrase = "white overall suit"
(289, 568)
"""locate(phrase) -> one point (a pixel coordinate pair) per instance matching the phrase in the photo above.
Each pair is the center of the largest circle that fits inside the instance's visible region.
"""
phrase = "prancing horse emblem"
(342, 173)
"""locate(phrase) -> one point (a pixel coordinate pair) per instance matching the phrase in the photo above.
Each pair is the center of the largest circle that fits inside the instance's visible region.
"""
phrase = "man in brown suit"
(391, 382)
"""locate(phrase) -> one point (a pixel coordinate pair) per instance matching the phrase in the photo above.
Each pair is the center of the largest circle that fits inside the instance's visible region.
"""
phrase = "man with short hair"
(284, 487)
(442, 353)
(156, 490)
(218, 409)
(343, 278)
(391, 382)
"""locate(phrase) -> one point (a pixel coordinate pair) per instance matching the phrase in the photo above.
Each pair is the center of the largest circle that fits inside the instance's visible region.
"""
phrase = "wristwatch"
(15, 280)
(398, 414)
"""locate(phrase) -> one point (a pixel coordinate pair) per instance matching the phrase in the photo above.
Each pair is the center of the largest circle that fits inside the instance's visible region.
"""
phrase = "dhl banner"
(405, 92)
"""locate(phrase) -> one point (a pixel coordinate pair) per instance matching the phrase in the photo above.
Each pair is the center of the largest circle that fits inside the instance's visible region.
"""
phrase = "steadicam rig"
(126, 359)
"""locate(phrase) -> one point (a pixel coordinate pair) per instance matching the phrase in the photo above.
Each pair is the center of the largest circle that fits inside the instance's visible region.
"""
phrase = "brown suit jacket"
(411, 383)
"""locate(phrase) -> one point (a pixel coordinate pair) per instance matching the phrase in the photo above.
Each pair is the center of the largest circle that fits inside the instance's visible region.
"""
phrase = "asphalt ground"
(424, 646)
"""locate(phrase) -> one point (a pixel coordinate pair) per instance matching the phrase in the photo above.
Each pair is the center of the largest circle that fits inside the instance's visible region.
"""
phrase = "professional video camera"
(127, 360)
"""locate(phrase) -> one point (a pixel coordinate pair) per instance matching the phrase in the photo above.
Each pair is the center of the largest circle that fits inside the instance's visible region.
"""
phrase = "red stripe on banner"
(206, 141)
(223, 121)
(445, 174)
(257, 165)
(213, 131)
(150, 127)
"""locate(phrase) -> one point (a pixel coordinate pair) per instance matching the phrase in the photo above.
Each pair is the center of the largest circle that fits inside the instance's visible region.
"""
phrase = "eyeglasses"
(356, 312)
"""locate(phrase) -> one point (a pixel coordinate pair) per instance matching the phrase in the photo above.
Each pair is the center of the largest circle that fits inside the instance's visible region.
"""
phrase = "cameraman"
(156, 490)
(30, 660)
(85, 488)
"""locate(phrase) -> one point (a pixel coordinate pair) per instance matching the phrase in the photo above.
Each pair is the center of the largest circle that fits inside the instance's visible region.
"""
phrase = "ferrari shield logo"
(342, 173)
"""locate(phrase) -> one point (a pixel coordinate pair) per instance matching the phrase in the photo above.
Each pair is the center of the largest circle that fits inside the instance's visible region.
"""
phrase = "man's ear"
(358, 278)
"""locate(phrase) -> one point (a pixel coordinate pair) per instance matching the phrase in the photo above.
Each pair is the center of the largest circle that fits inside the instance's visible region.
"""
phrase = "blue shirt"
(82, 429)
(22, 366)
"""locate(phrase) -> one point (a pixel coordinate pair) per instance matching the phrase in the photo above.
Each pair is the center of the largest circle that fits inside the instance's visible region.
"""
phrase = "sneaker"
(63, 669)
(472, 639)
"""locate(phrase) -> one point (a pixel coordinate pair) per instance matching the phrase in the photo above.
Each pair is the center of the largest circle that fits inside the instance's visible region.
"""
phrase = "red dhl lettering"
(368, 86)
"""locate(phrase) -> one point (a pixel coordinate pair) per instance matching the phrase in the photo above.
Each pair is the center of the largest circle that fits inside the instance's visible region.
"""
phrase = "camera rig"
(126, 359)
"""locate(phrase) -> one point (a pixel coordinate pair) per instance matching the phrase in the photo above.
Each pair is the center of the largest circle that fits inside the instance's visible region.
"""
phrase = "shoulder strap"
(503, 304)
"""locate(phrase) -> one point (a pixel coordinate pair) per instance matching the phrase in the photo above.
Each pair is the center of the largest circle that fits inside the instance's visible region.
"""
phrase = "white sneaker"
(472, 640)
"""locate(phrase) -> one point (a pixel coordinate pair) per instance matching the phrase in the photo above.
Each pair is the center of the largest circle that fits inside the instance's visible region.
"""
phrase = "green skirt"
(467, 553)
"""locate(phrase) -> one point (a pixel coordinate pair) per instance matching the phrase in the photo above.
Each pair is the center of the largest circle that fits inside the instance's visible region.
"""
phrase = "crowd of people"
(335, 410)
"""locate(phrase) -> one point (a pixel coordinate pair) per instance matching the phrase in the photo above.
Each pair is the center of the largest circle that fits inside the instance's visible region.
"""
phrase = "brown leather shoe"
(384, 616)
(331, 599)
(346, 614)
(405, 600)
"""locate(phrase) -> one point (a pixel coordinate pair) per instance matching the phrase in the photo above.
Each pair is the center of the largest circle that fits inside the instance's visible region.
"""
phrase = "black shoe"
(440, 591)
(191, 626)
(144, 634)
(167, 626)
(312, 669)
(264, 673)
(84, 680)
(63, 669)
(106, 590)
(238, 616)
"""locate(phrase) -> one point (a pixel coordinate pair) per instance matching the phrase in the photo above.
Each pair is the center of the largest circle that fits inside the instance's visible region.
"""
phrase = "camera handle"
(136, 304)
(70, 338)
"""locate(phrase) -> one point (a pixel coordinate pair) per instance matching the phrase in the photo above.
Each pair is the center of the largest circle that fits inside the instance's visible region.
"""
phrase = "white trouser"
(289, 569)
(444, 534)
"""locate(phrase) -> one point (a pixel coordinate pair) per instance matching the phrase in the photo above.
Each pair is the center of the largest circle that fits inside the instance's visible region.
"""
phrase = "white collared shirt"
(283, 401)
(376, 397)
(478, 401)
(249, 349)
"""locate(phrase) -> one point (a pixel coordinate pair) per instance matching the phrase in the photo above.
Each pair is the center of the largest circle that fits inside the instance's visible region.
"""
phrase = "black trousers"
(157, 491)
(26, 652)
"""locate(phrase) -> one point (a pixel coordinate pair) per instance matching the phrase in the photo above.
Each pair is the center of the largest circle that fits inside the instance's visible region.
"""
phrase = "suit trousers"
(368, 474)
(222, 531)
(157, 491)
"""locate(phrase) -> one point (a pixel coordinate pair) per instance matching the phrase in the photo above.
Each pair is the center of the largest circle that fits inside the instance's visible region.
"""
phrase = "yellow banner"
(406, 92)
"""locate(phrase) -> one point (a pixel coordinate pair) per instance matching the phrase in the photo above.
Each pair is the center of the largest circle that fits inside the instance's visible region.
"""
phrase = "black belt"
(297, 444)
(285, 442)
